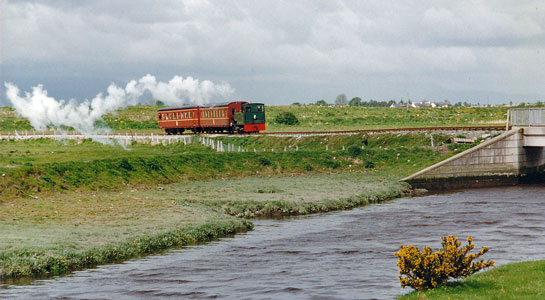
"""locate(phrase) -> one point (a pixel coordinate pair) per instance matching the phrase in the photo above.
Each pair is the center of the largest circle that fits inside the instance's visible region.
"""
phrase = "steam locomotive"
(239, 116)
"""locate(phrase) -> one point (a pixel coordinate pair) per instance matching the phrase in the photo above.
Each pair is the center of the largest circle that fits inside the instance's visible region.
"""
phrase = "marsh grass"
(64, 232)
(36, 262)
(274, 196)
(513, 281)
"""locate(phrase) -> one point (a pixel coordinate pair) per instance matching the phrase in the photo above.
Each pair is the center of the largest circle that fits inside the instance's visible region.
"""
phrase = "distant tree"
(321, 102)
(286, 118)
(341, 100)
(296, 104)
(159, 103)
(356, 101)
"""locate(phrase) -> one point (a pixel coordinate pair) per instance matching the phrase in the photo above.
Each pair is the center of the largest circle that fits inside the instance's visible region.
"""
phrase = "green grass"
(513, 281)
(142, 119)
(32, 167)
(323, 118)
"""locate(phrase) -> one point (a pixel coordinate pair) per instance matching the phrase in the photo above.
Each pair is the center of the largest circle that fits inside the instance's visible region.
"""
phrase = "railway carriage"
(239, 116)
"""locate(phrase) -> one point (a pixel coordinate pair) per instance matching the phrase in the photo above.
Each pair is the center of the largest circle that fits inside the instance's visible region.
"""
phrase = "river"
(337, 255)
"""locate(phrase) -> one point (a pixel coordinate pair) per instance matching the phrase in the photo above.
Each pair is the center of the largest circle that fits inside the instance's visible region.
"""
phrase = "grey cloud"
(311, 43)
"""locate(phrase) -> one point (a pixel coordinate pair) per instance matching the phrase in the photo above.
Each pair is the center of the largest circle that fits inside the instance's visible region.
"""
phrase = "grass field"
(514, 281)
(142, 119)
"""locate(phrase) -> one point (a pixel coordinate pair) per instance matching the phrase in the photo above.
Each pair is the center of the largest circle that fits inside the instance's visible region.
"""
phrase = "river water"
(338, 255)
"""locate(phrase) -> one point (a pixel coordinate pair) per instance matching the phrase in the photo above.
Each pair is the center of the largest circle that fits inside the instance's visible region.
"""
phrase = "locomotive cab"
(254, 117)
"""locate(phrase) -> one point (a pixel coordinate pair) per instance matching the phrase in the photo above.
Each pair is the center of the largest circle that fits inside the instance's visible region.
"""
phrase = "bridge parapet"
(526, 117)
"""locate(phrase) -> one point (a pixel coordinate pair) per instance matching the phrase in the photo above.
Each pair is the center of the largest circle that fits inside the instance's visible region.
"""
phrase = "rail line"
(279, 133)
(385, 130)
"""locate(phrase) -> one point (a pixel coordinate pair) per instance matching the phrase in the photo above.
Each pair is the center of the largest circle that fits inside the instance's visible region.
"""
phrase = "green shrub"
(264, 161)
(369, 164)
(286, 118)
(354, 150)
(125, 164)
(427, 269)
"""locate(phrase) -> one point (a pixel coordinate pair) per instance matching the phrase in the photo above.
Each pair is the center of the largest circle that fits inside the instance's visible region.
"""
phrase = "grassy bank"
(45, 262)
(63, 232)
(514, 281)
(30, 168)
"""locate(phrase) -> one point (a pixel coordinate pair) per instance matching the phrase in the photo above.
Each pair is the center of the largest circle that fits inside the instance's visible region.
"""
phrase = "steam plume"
(42, 110)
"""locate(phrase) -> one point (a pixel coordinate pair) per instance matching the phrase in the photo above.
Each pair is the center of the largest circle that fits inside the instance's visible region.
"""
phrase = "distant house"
(443, 104)
(423, 103)
(400, 105)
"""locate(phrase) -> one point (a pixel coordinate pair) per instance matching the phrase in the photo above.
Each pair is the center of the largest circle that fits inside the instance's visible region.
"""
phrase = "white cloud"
(256, 40)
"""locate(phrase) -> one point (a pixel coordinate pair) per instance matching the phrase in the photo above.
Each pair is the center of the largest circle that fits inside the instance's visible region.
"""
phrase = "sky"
(280, 52)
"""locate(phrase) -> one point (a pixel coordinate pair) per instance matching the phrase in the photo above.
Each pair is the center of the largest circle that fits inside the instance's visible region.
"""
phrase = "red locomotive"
(231, 117)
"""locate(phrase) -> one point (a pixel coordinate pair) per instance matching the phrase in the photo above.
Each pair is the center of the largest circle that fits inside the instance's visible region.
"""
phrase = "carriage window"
(248, 109)
(260, 108)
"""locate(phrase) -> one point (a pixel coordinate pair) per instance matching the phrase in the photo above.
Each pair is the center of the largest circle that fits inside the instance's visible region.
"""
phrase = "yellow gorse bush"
(428, 269)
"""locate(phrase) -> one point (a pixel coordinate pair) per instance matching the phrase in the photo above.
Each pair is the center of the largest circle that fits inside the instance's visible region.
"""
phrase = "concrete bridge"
(516, 156)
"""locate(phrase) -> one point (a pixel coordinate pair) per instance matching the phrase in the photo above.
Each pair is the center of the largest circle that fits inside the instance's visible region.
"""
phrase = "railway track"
(411, 129)
(287, 133)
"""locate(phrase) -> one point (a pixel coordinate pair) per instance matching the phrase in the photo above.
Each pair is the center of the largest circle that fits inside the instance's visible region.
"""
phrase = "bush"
(286, 118)
(264, 161)
(427, 269)
(369, 164)
(354, 150)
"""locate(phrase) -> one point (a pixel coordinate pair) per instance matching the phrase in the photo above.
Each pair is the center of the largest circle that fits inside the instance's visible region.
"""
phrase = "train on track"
(238, 116)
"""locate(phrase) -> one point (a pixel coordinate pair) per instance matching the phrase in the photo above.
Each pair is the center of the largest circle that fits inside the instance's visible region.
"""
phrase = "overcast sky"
(279, 52)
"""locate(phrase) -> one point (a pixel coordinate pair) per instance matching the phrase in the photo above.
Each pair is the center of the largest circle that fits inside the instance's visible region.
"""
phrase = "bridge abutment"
(504, 160)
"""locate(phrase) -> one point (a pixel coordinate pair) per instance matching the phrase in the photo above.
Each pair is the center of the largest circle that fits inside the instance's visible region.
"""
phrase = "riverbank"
(513, 281)
(59, 233)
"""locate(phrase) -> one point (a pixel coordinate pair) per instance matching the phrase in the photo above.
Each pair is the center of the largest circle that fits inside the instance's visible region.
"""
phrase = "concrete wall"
(502, 160)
